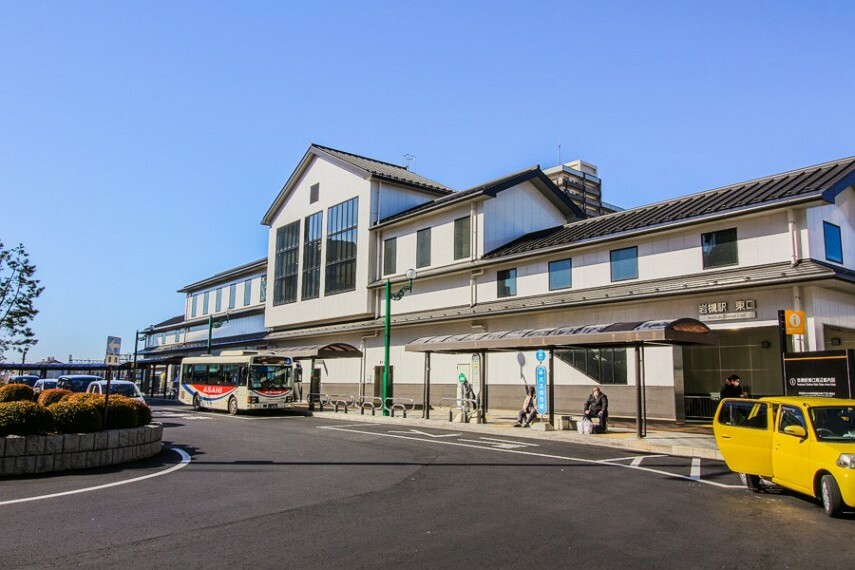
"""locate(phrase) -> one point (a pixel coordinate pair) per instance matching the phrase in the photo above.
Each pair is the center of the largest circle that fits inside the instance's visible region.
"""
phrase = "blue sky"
(141, 143)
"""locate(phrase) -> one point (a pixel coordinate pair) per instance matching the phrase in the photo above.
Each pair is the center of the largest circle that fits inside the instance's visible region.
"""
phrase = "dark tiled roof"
(385, 170)
(491, 188)
(803, 184)
(168, 322)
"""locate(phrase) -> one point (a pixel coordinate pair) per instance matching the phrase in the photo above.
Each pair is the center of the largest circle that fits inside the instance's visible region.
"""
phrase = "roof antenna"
(559, 151)
(410, 159)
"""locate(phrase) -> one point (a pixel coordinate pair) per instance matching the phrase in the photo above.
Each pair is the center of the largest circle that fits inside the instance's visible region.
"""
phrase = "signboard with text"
(114, 350)
(825, 374)
(540, 383)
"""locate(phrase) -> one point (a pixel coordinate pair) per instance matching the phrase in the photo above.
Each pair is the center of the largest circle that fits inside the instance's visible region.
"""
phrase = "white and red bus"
(237, 380)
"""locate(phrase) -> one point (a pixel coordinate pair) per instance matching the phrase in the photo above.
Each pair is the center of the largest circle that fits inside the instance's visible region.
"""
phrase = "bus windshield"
(269, 377)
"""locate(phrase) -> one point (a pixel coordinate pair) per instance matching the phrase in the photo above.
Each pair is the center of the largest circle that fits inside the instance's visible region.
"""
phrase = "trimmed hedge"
(121, 413)
(24, 418)
(76, 417)
(143, 412)
(17, 393)
(52, 396)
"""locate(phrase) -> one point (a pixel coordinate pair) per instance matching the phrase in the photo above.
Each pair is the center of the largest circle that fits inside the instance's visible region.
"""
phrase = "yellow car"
(804, 444)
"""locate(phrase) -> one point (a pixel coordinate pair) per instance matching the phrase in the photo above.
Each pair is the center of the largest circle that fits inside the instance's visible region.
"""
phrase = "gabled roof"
(492, 188)
(226, 275)
(823, 181)
(368, 166)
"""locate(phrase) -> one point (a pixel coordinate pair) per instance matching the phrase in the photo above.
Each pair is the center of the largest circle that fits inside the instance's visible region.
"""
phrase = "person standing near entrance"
(731, 388)
(597, 405)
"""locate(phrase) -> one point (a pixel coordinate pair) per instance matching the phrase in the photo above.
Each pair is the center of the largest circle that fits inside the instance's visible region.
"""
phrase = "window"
(624, 263)
(390, 247)
(790, 416)
(247, 292)
(218, 306)
(604, 365)
(232, 295)
(719, 248)
(744, 414)
(193, 302)
(340, 273)
(312, 256)
(423, 248)
(263, 289)
(506, 279)
(287, 263)
(461, 238)
(833, 243)
(205, 302)
(177, 337)
(314, 193)
(560, 274)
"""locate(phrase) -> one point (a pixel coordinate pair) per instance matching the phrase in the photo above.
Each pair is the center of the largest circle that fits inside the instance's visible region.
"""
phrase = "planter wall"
(66, 452)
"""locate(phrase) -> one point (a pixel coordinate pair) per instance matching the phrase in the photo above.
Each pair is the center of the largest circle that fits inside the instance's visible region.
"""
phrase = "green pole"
(387, 328)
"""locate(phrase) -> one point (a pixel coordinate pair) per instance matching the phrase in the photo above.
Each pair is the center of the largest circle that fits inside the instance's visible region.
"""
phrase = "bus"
(237, 380)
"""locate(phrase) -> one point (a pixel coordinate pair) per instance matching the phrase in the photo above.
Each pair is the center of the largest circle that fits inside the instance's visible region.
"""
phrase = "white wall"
(515, 212)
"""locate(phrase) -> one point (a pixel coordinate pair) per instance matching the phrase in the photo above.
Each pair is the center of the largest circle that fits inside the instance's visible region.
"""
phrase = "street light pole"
(387, 326)
(215, 324)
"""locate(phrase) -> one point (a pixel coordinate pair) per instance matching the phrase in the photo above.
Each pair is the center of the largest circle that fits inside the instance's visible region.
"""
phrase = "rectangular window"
(506, 280)
(262, 294)
(461, 238)
(232, 295)
(560, 274)
(833, 243)
(312, 256)
(624, 263)
(719, 248)
(603, 365)
(314, 193)
(218, 305)
(340, 273)
(205, 299)
(247, 292)
(193, 303)
(423, 248)
(390, 250)
(287, 263)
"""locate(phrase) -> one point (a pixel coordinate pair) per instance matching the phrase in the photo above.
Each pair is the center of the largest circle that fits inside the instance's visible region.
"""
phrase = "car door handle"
(723, 436)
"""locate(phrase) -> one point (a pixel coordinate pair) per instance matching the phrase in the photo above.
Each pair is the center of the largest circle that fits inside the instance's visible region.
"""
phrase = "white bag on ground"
(585, 426)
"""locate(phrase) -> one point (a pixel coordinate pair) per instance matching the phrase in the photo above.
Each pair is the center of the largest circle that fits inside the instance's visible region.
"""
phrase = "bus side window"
(242, 376)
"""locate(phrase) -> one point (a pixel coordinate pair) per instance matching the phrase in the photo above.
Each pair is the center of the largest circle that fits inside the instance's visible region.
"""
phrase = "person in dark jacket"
(597, 405)
(731, 388)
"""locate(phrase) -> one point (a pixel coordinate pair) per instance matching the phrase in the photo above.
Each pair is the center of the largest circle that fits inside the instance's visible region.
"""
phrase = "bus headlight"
(846, 460)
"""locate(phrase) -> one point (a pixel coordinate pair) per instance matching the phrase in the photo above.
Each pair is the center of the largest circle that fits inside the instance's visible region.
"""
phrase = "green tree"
(18, 290)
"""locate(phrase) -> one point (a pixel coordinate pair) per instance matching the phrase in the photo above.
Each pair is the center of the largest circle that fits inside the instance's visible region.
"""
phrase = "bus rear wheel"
(197, 404)
(233, 407)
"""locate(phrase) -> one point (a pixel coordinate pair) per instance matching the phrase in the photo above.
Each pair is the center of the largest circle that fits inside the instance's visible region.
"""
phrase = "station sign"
(794, 322)
(540, 383)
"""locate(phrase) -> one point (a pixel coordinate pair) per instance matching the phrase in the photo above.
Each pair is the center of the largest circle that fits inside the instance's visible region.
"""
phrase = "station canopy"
(683, 331)
(336, 350)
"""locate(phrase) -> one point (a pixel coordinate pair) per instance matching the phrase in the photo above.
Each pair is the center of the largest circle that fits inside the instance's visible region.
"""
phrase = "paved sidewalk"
(686, 442)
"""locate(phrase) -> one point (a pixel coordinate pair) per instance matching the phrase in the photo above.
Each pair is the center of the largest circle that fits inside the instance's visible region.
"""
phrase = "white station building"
(534, 250)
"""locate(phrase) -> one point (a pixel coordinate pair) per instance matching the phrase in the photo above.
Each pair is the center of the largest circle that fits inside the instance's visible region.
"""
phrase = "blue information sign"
(540, 355)
(540, 377)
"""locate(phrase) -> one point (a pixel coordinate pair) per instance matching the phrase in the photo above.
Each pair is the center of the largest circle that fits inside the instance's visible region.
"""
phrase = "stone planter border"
(65, 452)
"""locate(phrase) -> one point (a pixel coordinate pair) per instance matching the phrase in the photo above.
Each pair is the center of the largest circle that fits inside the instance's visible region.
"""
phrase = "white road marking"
(636, 460)
(696, 469)
(533, 454)
(510, 441)
(495, 444)
(185, 460)
(426, 433)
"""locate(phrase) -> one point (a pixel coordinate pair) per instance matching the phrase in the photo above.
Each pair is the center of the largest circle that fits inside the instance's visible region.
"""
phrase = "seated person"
(597, 405)
(528, 411)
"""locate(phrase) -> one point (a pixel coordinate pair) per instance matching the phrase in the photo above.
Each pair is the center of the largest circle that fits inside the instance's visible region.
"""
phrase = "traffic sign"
(540, 355)
(114, 345)
(540, 381)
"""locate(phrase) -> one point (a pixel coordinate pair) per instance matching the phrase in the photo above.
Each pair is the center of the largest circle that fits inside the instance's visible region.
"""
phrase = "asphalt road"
(281, 491)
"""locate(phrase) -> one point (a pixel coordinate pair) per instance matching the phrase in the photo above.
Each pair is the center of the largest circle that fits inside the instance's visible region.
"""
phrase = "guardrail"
(343, 401)
(465, 405)
(371, 402)
(402, 404)
(700, 407)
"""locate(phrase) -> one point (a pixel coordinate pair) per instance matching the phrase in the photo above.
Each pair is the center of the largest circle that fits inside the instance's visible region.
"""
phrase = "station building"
(533, 250)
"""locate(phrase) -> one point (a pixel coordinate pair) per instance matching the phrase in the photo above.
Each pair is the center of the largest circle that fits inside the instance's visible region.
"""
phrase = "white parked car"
(121, 387)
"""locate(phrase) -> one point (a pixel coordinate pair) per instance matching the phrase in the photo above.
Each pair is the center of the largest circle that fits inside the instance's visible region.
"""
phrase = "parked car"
(803, 444)
(76, 382)
(28, 379)
(43, 384)
(122, 387)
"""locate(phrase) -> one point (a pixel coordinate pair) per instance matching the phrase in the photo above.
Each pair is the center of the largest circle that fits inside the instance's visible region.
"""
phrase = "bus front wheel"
(197, 405)
(233, 407)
